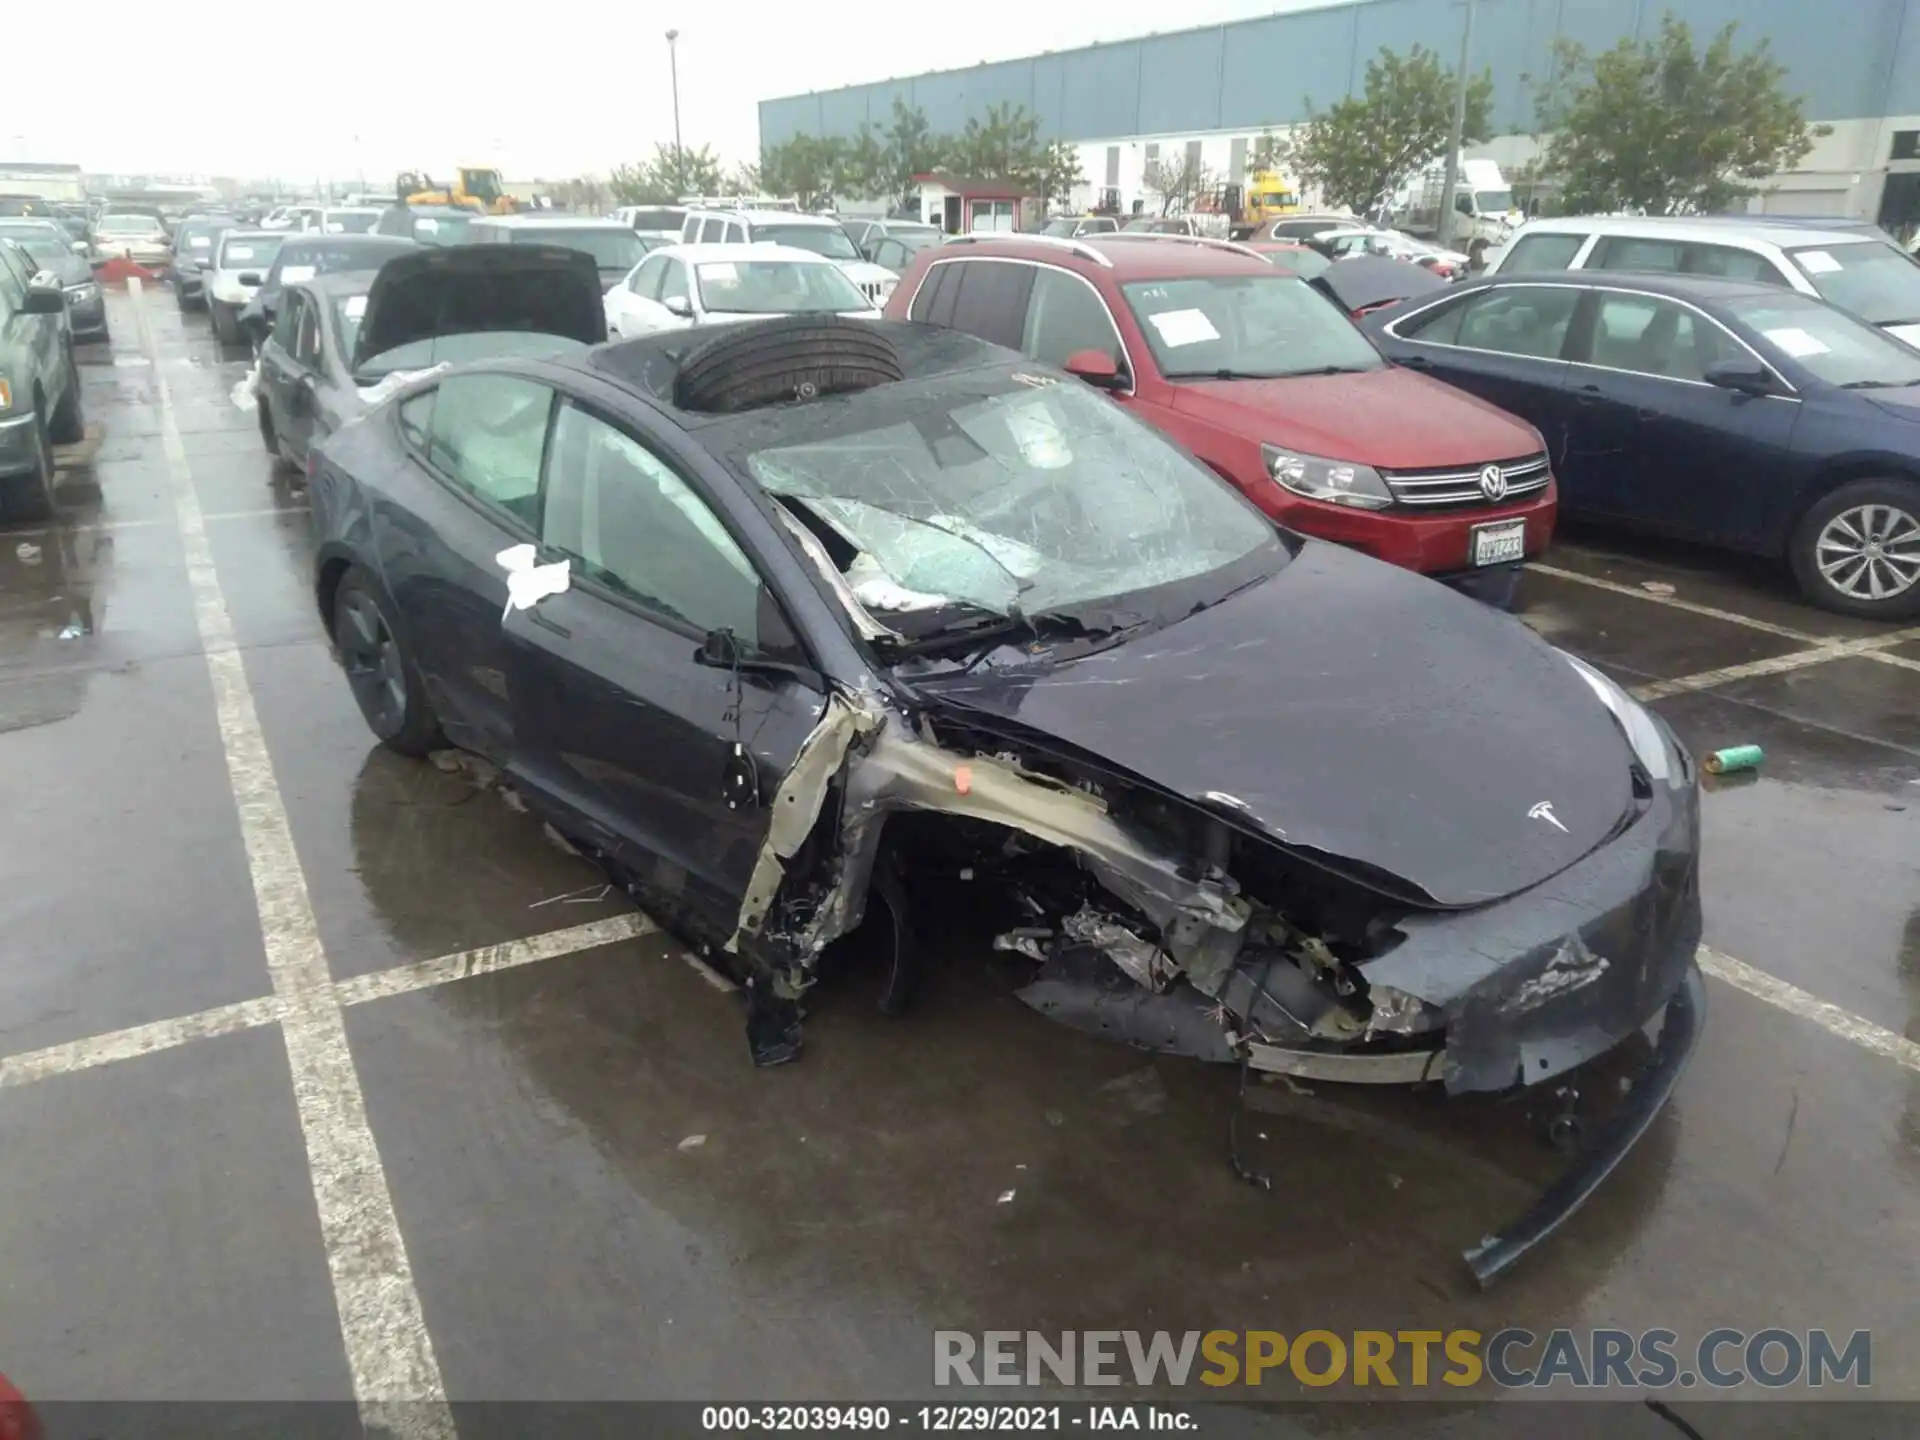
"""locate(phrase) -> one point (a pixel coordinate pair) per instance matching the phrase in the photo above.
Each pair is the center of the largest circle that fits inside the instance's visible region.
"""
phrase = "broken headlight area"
(1173, 925)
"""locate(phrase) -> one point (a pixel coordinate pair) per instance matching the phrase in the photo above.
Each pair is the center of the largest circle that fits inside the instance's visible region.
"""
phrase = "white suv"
(1854, 266)
(818, 233)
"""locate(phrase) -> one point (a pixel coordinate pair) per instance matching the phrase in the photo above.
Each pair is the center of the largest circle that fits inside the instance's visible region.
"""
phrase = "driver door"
(278, 370)
(633, 306)
(661, 760)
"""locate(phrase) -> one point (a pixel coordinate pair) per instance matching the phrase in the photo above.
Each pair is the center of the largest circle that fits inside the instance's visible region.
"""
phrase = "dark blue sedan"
(1735, 413)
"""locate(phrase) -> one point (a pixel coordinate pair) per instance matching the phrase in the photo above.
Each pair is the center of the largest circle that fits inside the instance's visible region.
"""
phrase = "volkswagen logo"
(1493, 482)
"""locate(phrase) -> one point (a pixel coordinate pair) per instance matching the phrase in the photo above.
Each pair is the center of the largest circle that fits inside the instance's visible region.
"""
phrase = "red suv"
(1266, 381)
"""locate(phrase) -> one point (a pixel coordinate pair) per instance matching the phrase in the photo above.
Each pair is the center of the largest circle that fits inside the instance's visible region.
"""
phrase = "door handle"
(1587, 395)
(1417, 362)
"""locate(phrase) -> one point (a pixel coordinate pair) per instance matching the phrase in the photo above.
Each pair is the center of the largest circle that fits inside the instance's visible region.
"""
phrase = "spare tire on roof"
(773, 362)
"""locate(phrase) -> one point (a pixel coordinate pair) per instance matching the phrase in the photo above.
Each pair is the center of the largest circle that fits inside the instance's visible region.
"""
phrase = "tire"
(226, 329)
(30, 497)
(777, 362)
(1861, 537)
(386, 683)
(70, 420)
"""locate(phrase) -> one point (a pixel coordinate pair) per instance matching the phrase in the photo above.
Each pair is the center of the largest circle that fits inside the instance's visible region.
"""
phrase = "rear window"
(255, 253)
(614, 248)
(657, 219)
(1876, 281)
(349, 222)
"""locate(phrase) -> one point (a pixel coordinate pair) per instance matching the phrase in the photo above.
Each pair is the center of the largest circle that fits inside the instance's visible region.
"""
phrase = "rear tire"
(30, 496)
(777, 362)
(386, 683)
(70, 420)
(226, 329)
(1863, 537)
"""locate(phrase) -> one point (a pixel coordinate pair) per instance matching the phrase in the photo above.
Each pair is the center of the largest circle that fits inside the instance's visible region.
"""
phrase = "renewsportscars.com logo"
(1513, 1358)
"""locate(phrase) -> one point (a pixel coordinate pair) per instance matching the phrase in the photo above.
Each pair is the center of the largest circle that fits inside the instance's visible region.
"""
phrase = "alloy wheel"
(1870, 552)
(372, 659)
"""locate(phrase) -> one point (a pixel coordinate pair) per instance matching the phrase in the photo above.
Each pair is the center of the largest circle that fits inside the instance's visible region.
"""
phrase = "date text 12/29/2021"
(937, 1419)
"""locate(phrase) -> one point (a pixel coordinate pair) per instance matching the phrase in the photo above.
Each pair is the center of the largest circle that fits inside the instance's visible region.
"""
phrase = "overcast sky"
(549, 90)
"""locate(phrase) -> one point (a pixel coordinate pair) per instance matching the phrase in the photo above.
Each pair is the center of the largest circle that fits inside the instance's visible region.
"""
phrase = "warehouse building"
(1213, 90)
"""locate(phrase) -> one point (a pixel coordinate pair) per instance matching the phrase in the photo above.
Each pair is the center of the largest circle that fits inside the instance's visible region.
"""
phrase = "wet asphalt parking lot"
(324, 1075)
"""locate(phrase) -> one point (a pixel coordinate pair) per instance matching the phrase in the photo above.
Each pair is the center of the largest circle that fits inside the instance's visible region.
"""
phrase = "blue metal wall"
(1851, 59)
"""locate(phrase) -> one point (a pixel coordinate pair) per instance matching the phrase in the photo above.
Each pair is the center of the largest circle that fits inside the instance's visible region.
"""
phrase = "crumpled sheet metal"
(1145, 961)
(903, 770)
(1533, 986)
(797, 803)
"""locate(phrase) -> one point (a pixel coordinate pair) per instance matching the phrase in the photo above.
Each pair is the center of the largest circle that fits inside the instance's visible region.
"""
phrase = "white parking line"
(1674, 602)
(1795, 1001)
(138, 1040)
(1869, 648)
(396, 1376)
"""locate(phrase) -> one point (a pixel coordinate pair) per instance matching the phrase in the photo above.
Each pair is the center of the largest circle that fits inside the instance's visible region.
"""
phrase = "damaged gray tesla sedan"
(794, 626)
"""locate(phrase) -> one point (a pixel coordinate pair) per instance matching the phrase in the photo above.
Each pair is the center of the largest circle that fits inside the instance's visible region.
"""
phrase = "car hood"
(1352, 710)
(458, 289)
(1391, 418)
(72, 270)
(865, 272)
(1903, 403)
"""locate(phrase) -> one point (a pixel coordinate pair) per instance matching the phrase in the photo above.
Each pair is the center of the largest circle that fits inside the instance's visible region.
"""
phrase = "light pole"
(1443, 222)
(679, 155)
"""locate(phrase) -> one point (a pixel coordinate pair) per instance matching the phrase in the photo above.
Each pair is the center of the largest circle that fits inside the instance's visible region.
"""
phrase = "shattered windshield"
(1039, 497)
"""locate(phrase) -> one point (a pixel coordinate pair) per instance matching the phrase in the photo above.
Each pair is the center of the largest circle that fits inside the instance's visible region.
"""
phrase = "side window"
(414, 418)
(736, 233)
(1624, 252)
(1731, 264)
(711, 229)
(933, 301)
(287, 323)
(673, 283)
(13, 279)
(637, 528)
(646, 280)
(306, 338)
(1064, 317)
(1438, 326)
(487, 436)
(992, 302)
(892, 255)
(1542, 252)
(689, 229)
(1519, 320)
(1651, 336)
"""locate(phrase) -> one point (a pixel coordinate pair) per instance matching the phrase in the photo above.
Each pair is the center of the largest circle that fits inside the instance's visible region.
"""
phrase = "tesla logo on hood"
(1544, 811)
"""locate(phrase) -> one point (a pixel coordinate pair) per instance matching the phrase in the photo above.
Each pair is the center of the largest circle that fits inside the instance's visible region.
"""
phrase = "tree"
(861, 166)
(1059, 172)
(1362, 149)
(910, 149)
(668, 175)
(1178, 179)
(1270, 152)
(745, 180)
(804, 167)
(1656, 127)
(1005, 145)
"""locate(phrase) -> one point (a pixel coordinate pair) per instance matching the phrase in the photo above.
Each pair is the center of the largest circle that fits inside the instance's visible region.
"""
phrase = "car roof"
(352, 209)
(551, 222)
(1652, 282)
(1781, 231)
(1130, 257)
(764, 250)
(338, 284)
(774, 217)
(310, 241)
(647, 366)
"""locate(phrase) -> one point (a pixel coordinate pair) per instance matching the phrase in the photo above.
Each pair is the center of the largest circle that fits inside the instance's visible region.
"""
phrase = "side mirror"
(679, 305)
(250, 277)
(1744, 376)
(45, 300)
(1097, 368)
(79, 247)
(719, 650)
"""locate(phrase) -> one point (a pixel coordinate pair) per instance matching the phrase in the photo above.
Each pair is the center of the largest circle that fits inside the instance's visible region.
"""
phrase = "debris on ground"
(28, 551)
(1734, 757)
(246, 390)
(1656, 587)
(1006, 1197)
(692, 1142)
(585, 895)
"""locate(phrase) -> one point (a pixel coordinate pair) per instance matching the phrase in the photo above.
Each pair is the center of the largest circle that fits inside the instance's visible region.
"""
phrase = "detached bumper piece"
(1679, 1033)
